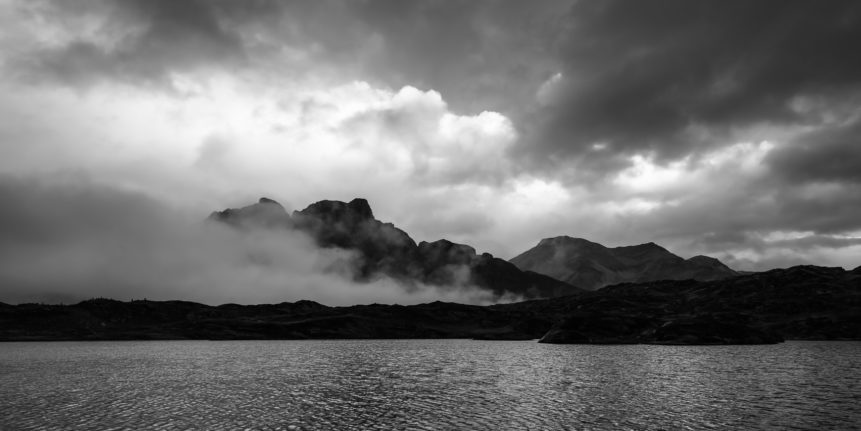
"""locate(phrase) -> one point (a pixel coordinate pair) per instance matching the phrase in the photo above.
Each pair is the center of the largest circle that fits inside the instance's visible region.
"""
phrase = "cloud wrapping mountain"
(382, 250)
(65, 243)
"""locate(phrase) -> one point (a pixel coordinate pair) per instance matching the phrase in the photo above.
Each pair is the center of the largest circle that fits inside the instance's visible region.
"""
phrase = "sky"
(725, 128)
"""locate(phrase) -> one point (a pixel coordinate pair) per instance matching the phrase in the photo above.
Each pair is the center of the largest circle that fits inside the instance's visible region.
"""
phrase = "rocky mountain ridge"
(590, 265)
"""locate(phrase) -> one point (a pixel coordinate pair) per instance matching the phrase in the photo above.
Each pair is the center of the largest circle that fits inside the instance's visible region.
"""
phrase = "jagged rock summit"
(385, 250)
(590, 265)
(265, 213)
(356, 210)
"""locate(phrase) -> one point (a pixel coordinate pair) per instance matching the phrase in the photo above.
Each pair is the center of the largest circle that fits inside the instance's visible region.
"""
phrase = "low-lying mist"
(62, 242)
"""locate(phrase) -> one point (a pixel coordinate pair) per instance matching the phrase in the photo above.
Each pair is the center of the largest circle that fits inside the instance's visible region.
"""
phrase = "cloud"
(781, 249)
(830, 154)
(675, 77)
(414, 129)
(130, 41)
(549, 90)
(386, 43)
(485, 47)
(72, 239)
(667, 77)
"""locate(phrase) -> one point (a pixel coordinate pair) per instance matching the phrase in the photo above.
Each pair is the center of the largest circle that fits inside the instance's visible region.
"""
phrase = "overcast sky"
(726, 128)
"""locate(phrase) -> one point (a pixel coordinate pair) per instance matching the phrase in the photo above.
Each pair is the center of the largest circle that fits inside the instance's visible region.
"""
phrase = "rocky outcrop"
(384, 249)
(590, 265)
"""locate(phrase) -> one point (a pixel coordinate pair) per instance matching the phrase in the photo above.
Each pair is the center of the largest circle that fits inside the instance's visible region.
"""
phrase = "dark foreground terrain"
(803, 302)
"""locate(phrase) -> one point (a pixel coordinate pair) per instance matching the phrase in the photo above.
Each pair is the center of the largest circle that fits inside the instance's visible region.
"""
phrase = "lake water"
(427, 384)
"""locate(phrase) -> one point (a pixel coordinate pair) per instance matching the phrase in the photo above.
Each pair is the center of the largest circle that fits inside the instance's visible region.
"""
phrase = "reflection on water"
(427, 384)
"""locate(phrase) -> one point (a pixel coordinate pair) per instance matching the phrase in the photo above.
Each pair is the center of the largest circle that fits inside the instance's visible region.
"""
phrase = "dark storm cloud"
(831, 155)
(486, 55)
(719, 242)
(817, 241)
(141, 41)
(671, 76)
(481, 55)
(822, 209)
(667, 75)
(761, 208)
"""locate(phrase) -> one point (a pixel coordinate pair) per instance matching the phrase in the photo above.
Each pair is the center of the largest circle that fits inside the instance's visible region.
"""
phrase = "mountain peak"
(362, 207)
(565, 240)
(265, 213)
(591, 265)
(447, 246)
(267, 201)
(645, 246)
(704, 259)
(357, 209)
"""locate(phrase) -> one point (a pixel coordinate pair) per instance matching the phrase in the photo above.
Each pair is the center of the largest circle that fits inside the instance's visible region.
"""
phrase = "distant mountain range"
(590, 265)
(386, 250)
(555, 267)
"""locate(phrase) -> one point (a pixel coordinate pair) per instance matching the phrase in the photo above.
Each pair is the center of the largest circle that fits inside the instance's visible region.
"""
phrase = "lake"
(427, 384)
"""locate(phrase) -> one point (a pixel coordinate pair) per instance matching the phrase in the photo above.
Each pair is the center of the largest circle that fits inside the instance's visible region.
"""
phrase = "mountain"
(266, 213)
(590, 265)
(384, 249)
(803, 303)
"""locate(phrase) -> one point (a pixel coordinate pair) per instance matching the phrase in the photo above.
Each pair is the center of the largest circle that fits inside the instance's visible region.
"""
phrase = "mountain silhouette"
(590, 265)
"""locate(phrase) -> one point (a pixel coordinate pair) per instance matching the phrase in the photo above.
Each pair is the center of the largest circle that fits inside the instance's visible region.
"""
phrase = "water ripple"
(426, 384)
